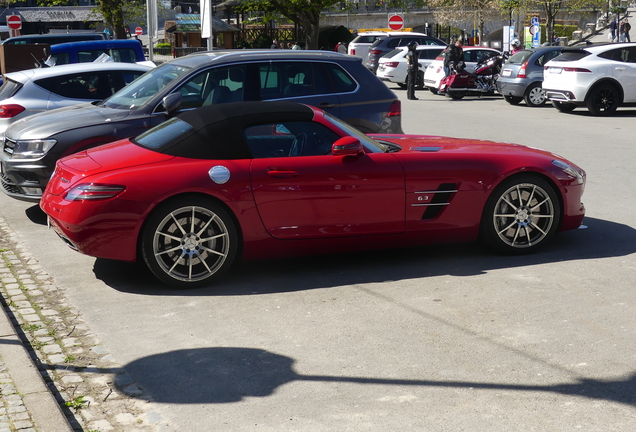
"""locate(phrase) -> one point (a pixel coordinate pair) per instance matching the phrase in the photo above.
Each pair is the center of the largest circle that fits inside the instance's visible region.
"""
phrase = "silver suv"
(336, 83)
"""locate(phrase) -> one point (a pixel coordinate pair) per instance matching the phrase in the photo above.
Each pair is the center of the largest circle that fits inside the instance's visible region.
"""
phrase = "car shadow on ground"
(216, 375)
(602, 239)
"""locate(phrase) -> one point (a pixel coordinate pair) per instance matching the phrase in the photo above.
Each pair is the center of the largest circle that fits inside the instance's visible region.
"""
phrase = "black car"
(336, 83)
(387, 44)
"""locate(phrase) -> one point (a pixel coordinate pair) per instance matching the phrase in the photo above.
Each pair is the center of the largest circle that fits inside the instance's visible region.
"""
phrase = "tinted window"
(125, 55)
(481, 55)
(61, 58)
(286, 79)
(543, 59)
(627, 55)
(365, 39)
(430, 54)
(341, 80)
(393, 53)
(89, 86)
(163, 134)
(572, 55)
(218, 85)
(289, 139)
(8, 89)
(520, 57)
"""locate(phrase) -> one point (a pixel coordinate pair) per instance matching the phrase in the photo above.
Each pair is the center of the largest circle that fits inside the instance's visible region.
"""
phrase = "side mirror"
(172, 102)
(347, 146)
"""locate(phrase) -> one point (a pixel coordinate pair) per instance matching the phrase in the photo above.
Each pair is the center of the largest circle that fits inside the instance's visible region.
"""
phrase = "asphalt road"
(447, 338)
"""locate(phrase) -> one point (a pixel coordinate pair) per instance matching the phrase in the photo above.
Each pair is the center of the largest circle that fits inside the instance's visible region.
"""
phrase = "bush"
(163, 48)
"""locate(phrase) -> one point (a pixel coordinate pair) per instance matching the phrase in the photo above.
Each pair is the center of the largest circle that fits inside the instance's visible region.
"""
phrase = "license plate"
(506, 72)
(555, 70)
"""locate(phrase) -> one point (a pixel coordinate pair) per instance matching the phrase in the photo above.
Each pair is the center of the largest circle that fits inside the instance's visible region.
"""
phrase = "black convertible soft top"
(216, 131)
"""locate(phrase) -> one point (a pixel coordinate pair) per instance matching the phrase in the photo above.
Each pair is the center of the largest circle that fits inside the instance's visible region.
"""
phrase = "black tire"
(535, 96)
(564, 107)
(513, 100)
(603, 100)
(521, 215)
(419, 83)
(189, 242)
(456, 95)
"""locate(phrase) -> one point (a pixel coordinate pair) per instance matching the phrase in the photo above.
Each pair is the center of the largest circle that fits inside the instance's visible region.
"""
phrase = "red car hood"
(116, 155)
(431, 143)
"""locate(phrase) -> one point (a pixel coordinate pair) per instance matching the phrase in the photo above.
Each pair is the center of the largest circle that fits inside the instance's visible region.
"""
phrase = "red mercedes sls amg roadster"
(253, 180)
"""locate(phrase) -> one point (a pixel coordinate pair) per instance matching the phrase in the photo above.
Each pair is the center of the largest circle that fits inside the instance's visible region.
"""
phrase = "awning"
(55, 14)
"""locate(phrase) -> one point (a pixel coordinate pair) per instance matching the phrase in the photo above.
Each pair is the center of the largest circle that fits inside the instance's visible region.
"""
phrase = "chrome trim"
(436, 191)
(431, 204)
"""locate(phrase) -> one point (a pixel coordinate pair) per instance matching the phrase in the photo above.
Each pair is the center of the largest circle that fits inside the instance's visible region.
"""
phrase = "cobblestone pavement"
(93, 390)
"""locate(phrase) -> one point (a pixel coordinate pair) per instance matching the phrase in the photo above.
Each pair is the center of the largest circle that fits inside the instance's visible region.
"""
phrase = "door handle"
(326, 105)
(282, 173)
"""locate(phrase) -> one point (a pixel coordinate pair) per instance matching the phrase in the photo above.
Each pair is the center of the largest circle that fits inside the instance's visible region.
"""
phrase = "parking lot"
(440, 338)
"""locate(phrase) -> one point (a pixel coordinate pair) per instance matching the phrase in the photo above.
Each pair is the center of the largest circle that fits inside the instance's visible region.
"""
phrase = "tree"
(553, 7)
(115, 12)
(305, 13)
(456, 12)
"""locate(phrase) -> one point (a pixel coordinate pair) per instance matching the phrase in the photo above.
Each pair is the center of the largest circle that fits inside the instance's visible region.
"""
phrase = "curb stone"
(73, 367)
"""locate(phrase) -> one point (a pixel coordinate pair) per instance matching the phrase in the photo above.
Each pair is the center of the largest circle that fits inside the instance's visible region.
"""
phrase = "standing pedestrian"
(341, 48)
(454, 55)
(412, 66)
(624, 29)
(274, 44)
(296, 46)
(612, 27)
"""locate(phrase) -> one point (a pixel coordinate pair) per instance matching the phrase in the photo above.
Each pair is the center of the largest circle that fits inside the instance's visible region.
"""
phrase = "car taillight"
(571, 69)
(522, 71)
(10, 110)
(439, 69)
(395, 109)
(93, 191)
(375, 52)
(391, 64)
(352, 51)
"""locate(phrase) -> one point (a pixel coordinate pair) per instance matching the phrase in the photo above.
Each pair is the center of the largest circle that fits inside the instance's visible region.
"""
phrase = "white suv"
(359, 47)
(599, 77)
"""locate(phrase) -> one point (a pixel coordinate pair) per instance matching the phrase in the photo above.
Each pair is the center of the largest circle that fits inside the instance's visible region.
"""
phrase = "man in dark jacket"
(454, 55)
(412, 65)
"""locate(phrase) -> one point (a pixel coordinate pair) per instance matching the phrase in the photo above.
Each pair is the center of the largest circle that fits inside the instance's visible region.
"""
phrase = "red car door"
(330, 196)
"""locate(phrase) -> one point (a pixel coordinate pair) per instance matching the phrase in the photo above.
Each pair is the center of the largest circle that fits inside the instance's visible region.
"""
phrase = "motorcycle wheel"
(456, 95)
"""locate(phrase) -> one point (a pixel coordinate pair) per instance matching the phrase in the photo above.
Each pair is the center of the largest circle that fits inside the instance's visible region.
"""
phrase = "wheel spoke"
(213, 237)
(213, 251)
(533, 209)
(177, 223)
(171, 237)
(176, 248)
(206, 225)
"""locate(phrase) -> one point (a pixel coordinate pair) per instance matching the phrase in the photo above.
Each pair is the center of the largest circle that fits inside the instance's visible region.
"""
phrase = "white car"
(392, 66)
(472, 55)
(32, 91)
(359, 47)
(602, 78)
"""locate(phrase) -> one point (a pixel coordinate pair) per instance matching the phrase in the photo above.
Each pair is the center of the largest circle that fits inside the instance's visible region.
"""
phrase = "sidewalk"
(601, 35)
(27, 404)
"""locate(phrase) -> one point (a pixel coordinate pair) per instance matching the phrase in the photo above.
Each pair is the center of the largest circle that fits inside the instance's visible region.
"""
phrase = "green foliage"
(76, 403)
(242, 44)
(262, 41)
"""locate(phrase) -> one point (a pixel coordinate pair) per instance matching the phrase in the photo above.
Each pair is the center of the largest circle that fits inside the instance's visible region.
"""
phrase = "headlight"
(568, 170)
(32, 149)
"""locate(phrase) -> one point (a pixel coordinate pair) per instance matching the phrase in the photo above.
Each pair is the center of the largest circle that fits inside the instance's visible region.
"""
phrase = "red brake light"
(395, 109)
(571, 69)
(391, 64)
(10, 110)
(93, 191)
(522, 71)
(353, 51)
(375, 52)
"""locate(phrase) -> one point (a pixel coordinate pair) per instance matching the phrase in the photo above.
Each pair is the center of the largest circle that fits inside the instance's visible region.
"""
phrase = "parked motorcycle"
(482, 81)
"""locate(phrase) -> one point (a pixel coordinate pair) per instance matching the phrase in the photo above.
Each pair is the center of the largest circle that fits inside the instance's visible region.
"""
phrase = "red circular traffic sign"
(14, 22)
(396, 22)
(139, 31)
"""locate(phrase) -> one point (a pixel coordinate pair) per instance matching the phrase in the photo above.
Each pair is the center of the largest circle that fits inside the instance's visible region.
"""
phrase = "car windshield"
(393, 53)
(162, 134)
(140, 91)
(369, 143)
(519, 57)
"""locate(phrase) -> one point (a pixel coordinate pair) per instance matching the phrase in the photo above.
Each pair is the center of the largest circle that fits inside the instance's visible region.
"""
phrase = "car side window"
(282, 80)
(217, 85)
(619, 54)
(61, 58)
(90, 86)
(119, 79)
(342, 81)
(285, 139)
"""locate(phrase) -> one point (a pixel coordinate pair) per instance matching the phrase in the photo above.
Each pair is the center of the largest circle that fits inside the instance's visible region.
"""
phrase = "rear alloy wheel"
(564, 106)
(513, 100)
(602, 100)
(535, 96)
(189, 242)
(521, 215)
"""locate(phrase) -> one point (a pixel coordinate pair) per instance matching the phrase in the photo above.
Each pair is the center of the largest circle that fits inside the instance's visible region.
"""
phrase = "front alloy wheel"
(189, 242)
(521, 215)
(603, 100)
